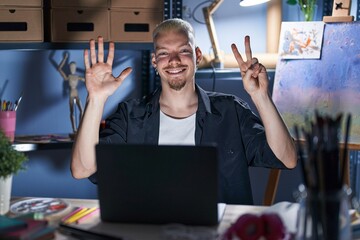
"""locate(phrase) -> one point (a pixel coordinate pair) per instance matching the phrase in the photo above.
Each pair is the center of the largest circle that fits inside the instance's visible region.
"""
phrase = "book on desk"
(33, 218)
(25, 227)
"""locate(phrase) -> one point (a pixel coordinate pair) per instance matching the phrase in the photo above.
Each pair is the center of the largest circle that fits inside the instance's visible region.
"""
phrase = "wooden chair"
(347, 162)
(271, 187)
(274, 176)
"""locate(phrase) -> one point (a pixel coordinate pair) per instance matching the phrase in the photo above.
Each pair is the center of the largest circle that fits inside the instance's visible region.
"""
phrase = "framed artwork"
(330, 84)
(301, 40)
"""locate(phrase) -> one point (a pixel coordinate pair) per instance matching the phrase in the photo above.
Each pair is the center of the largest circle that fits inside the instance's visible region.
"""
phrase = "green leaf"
(11, 161)
(291, 2)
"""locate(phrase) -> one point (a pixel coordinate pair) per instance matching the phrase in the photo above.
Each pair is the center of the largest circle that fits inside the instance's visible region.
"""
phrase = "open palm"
(99, 79)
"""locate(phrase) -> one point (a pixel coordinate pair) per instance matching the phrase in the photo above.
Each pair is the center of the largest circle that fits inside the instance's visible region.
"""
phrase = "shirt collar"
(203, 100)
(153, 105)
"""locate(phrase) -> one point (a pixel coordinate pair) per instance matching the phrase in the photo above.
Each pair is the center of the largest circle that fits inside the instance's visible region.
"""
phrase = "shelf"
(37, 46)
(29, 147)
(225, 73)
(28, 143)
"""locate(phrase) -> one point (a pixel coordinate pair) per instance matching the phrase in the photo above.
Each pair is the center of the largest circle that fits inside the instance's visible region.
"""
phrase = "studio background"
(45, 110)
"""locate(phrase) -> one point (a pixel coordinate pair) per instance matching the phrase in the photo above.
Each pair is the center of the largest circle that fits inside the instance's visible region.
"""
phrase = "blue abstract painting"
(330, 85)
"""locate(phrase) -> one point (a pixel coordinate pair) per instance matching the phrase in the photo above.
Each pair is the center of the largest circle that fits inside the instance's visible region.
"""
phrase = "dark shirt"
(223, 119)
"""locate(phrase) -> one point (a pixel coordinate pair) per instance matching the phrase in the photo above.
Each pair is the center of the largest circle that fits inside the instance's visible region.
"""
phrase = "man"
(202, 117)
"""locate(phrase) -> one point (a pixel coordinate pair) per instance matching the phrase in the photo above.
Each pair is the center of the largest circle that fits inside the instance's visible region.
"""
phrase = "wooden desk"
(232, 212)
(156, 232)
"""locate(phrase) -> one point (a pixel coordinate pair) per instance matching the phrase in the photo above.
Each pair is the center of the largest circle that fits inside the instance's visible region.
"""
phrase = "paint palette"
(45, 206)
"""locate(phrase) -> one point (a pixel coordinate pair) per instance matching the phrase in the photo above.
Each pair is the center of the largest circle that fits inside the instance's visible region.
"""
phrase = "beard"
(177, 84)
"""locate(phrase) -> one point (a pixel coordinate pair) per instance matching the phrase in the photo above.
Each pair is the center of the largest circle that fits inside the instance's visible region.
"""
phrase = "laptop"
(155, 184)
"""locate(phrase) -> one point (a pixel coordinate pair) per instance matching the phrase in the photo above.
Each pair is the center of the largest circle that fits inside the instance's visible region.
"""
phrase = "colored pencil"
(80, 214)
(75, 216)
(84, 218)
(78, 209)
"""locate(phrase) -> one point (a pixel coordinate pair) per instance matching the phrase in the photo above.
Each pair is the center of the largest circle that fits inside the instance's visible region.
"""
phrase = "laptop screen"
(157, 184)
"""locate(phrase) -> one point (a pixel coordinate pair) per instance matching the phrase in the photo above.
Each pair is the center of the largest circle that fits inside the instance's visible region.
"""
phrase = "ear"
(199, 55)
(153, 60)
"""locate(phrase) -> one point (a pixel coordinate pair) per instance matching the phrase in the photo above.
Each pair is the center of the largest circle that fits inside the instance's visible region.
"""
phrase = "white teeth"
(174, 71)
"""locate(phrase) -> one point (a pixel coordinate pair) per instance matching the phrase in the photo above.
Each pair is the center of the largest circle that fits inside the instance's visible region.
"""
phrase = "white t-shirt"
(175, 131)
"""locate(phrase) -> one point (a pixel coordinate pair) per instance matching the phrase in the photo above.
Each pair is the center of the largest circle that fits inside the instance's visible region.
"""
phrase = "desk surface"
(287, 211)
(155, 232)
(232, 212)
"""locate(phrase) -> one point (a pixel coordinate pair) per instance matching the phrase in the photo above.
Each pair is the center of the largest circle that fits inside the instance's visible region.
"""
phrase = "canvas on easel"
(330, 84)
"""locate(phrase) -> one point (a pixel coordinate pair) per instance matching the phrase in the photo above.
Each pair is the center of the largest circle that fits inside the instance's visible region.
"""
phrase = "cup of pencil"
(324, 199)
(8, 117)
(8, 124)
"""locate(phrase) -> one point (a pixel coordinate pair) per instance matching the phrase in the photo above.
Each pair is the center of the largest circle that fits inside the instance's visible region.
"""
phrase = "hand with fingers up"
(100, 84)
(99, 79)
(253, 73)
(256, 84)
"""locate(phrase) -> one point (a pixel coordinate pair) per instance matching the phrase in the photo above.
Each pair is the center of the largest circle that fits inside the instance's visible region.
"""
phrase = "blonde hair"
(175, 24)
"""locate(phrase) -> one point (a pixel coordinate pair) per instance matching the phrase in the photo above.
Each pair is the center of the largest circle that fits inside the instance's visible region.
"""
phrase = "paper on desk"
(221, 211)
(288, 212)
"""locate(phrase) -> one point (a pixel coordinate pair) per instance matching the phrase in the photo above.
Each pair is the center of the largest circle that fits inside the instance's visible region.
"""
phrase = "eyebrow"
(183, 45)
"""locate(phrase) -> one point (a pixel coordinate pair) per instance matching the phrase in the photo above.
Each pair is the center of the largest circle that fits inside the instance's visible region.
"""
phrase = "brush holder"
(323, 215)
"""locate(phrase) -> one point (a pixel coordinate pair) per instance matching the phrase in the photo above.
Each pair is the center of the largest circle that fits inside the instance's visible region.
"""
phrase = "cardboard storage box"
(153, 4)
(21, 25)
(71, 25)
(80, 3)
(21, 3)
(134, 25)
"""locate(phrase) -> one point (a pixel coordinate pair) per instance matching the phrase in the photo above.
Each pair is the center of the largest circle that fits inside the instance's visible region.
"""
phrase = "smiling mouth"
(175, 70)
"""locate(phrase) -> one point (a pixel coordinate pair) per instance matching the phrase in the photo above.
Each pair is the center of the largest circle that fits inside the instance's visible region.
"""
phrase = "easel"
(274, 175)
(340, 12)
(351, 147)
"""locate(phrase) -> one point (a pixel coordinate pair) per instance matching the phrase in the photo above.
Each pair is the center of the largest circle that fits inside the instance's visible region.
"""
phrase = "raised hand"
(99, 79)
(253, 73)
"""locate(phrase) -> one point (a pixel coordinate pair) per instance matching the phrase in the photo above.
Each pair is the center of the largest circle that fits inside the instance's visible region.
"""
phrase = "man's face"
(175, 58)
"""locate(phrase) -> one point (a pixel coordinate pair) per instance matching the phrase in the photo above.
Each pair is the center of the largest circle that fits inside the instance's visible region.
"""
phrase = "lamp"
(218, 61)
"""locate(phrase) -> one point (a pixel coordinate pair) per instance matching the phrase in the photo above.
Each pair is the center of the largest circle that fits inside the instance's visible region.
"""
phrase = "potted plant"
(11, 162)
(307, 8)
